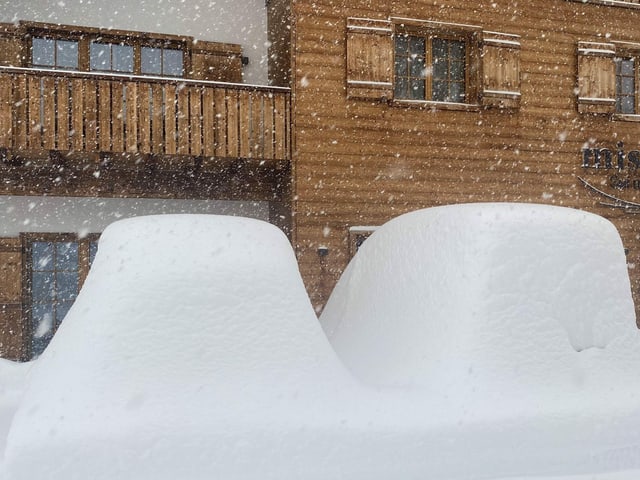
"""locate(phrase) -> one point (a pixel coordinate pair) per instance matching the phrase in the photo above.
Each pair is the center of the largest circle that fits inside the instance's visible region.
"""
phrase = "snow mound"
(482, 296)
(12, 383)
(183, 321)
(193, 352)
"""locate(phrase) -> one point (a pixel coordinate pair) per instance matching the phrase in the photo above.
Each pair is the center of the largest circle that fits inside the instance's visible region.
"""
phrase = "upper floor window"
(54, 53)
(626, 85)
(608, 79)
(430, 68)
(424, 62)
(111, 57)
(162, 61)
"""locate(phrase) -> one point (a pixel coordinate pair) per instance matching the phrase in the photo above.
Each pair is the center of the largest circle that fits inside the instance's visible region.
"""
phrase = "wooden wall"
(362, 162)
(10, 298)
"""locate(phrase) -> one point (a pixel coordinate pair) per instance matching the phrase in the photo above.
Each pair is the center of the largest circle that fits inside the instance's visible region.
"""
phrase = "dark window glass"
(162, 61)
(56, 53)
(110, 57)
(430, 68)
(54, 287)
(43, 52)
(93, 249)
(449, 61)
(67, 54)
(122, 56)
(54, 282)
(625, 85)
(151, 61)
(410, 71)
(172, 62)
(100, 56)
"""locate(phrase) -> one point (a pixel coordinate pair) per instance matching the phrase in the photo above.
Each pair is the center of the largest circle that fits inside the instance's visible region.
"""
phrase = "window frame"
(86, 36)
(162, 46)
(626, 51)
(357, 236)
(28, 239)
(111, 42)
(472, 37)
(55, 37)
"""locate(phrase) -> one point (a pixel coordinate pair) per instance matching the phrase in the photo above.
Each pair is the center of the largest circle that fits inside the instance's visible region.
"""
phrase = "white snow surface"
(193, 352)
(12, 382)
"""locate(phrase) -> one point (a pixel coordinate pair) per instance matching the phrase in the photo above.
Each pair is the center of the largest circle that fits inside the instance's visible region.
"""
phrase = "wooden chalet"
(375, 109)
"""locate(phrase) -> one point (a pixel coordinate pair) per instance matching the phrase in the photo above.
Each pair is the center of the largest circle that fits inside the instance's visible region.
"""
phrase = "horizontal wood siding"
(41, 112)
(11, 327)
(363, 162)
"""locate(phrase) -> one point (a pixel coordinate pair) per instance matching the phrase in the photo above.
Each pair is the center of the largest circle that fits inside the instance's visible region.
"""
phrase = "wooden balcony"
(81, 112)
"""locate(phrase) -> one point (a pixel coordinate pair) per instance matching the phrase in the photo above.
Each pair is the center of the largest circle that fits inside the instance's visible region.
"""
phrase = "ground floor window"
(357, 236)
(55, 268)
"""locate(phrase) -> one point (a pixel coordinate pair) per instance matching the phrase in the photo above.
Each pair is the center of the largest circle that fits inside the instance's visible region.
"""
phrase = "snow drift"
(193, 352)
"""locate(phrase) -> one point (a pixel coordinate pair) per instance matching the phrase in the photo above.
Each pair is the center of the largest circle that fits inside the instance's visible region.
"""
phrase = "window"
(111, 57)
(357, 236)
(608, 79)
(626, 85)
(430, 68)
(54, 53)
(56, 266)
(162, 61)
(414, 62)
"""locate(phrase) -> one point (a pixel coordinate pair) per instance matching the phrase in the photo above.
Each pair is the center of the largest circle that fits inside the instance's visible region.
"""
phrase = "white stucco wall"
(92, 215)
(232, 21)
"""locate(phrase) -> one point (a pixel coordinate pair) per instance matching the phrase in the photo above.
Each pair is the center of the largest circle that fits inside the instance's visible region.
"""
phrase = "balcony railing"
(84, 112)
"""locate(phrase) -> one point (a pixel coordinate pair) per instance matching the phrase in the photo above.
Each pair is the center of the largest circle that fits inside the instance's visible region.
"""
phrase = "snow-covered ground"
(463, 342)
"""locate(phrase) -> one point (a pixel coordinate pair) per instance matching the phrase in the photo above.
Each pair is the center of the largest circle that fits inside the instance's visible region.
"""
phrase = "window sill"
(625, 117)
(430, 105)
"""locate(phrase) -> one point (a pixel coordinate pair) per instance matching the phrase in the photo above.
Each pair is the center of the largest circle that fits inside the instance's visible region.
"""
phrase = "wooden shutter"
(369, 59)
(596, 77)
(500, 70)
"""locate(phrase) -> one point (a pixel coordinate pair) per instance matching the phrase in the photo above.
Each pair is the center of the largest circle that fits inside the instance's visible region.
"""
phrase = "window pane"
(122, 58)
(67, 54)
(439, 48)
(67, 256)
(42, 255)
(172, 63)
(401, 87)
(66, 286)
(401, 67)
(625, 105)
(457, 71)
(151, 60)
(43, 52)
(417, 67)
(417, 89)
(456, 93)
(457, 50)
(627, 85)
(417, 45)
(43, 328)
(402, 45)
(42, 286)
(625, 67)
(100, 58)
(439, 69)
(93, 249)
(61, 312)
(439, 93)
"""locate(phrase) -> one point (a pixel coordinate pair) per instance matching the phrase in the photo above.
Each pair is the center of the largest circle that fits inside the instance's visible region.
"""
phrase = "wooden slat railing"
(83, 112)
